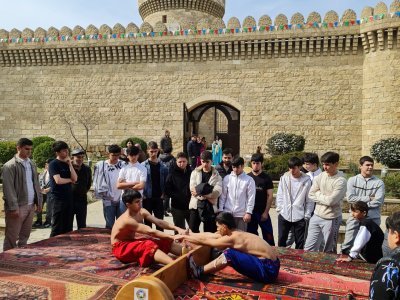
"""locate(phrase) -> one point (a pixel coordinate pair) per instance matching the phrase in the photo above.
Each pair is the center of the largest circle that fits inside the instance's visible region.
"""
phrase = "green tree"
(42, 153)
(276, 166)
(387, 152)
(7, 151)
(282, 143)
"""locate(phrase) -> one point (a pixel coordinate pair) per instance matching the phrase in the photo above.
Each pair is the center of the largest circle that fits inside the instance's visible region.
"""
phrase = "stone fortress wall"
(337, 86)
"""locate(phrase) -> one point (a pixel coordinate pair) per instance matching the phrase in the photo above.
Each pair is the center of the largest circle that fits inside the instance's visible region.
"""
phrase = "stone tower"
(182, 13)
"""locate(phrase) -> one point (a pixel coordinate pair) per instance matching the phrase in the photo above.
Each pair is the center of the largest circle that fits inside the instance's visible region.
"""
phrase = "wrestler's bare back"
(252, 244)
(125, 227)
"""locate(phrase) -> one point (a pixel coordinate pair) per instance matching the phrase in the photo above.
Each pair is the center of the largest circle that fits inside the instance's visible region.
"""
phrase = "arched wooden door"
(223, 121)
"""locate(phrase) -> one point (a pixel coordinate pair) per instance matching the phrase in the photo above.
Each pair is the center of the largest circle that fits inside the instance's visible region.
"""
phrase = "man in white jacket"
(327, 191)
(293, 204)
(238, 194)
(203, 205)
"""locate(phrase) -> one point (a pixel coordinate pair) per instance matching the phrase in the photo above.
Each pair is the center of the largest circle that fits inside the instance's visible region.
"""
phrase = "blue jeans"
(266, 227)
(113, 212)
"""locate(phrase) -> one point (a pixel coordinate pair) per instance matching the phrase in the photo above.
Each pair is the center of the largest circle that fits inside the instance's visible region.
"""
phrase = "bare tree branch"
(71, 130)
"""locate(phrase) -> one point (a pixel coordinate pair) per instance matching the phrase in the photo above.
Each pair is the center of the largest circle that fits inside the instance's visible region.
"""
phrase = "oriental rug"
(77, 265)
(80, 265)
(303, 275)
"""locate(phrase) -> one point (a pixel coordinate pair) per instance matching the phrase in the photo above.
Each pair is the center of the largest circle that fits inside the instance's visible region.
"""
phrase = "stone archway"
(211, 119)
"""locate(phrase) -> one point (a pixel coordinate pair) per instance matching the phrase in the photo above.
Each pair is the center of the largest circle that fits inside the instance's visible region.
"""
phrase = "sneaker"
(46, 225)
(166, 214)
(193, 269)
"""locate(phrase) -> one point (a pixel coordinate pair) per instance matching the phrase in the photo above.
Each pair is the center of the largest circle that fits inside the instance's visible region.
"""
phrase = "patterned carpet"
(303, 275)
(79, 265)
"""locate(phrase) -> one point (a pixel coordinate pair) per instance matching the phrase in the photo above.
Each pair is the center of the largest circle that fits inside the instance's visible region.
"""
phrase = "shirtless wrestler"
(155, 246)
(247, 253)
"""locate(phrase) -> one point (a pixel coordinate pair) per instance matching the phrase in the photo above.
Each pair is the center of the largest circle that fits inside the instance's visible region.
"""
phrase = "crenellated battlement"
(297, 21)
(198, 45)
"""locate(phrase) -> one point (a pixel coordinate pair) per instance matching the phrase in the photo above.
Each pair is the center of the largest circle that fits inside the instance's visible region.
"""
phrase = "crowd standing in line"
(222, 197)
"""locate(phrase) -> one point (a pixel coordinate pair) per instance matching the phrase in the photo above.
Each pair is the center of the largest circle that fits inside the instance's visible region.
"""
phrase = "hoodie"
(362, 189)
(292, 201)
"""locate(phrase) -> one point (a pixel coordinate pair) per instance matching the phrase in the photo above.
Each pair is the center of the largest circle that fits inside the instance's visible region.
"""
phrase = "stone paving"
(95, 219)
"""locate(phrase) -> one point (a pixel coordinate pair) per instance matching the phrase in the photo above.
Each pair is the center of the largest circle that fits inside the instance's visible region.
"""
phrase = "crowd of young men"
(308, 203)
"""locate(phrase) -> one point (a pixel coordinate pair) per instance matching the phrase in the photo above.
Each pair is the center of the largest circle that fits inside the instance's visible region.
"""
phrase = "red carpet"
(79, 265)
(304, 275)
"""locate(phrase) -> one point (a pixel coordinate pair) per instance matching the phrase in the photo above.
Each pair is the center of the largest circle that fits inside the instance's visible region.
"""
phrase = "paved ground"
(95, 219)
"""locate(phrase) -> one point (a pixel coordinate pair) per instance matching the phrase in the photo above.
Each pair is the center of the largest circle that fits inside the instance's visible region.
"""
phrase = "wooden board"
(162, 282)
(176, 273)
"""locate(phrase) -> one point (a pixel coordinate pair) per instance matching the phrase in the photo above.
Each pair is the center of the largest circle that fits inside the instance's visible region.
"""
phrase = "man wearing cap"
(81, 187)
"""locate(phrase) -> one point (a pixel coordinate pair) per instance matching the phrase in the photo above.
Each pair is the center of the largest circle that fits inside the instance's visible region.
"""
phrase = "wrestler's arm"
(206, 235)
(144, 229)
(160, 223)
(220, 243)
(147, 230)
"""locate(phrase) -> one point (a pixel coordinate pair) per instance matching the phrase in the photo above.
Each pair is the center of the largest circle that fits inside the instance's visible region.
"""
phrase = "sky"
(21, 14)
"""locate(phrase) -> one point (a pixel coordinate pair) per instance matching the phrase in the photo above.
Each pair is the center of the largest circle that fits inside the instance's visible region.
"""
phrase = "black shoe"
(166, 214)
(37, 225)
(46, 225)
(194, 270)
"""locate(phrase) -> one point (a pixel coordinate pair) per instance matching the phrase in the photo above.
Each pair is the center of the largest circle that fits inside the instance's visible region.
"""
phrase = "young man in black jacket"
(177, 188)
(81, 187)
(385, 281)
(225, 166)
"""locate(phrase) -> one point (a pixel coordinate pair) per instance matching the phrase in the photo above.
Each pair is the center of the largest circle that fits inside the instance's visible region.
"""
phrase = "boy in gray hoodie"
(367, 188)
(327, 191)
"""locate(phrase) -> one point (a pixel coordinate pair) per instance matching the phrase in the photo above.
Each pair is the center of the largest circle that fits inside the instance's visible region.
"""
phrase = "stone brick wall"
(304, 96)
(381, 82)
(336, 86)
